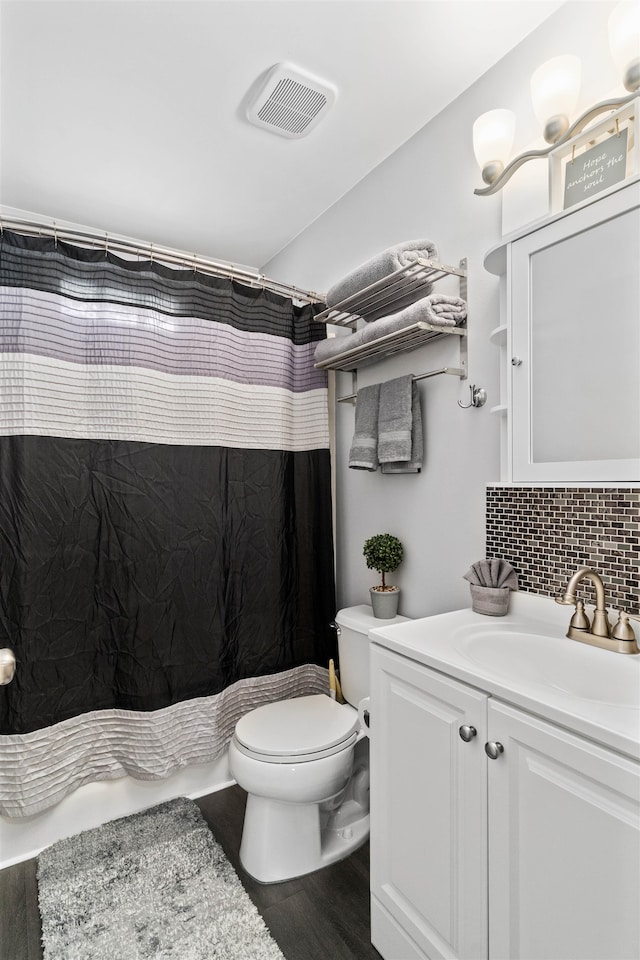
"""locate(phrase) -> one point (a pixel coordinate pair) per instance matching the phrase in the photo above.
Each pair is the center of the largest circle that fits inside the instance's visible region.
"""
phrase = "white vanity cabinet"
(534, 855)
(564, 844)
(428, 813)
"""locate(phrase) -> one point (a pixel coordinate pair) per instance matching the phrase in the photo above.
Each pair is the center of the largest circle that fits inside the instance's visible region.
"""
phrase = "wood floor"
(320, 916)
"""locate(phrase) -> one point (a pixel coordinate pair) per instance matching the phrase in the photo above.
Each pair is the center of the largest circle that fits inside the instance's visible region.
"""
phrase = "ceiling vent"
(290, 102)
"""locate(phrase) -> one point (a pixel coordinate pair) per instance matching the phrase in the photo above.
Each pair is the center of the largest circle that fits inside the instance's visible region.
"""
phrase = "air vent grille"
(292, 106)
(290, 102)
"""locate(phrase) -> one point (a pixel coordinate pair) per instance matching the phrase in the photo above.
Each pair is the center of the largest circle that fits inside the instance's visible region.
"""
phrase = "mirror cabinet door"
(575, 318)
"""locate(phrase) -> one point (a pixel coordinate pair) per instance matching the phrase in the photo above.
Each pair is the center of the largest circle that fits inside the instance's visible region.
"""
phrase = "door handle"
(7, 665)
(493, 749)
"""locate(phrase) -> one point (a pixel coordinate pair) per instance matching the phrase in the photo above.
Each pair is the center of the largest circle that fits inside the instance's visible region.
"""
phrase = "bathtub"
(96, 803)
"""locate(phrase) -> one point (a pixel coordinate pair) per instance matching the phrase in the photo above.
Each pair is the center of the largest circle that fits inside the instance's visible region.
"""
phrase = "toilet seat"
(297, 731)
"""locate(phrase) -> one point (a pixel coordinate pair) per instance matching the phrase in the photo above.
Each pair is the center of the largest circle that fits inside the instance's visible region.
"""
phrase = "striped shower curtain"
(166, 560)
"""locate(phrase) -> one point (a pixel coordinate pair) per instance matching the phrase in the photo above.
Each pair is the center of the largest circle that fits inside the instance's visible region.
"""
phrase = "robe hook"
(478, 397)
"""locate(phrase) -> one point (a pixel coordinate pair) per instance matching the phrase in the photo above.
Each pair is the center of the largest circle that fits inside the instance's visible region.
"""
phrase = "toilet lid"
(296, 728)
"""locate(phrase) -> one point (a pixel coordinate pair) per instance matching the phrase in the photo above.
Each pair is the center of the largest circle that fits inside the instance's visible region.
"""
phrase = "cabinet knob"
(467, 733)
(493, 749)
(516, 361)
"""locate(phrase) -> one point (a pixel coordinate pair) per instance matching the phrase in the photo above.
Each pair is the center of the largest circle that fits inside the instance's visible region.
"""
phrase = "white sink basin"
(526, 659)
(581, 671)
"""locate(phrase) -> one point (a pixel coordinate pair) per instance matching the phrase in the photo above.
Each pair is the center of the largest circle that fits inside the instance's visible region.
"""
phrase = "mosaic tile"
(546, 533)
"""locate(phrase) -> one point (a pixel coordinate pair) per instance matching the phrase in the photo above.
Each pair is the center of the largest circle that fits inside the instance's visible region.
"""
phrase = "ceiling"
(128, 117)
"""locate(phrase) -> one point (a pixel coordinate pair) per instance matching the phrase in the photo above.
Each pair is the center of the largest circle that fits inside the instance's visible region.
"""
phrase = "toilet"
(305, 766)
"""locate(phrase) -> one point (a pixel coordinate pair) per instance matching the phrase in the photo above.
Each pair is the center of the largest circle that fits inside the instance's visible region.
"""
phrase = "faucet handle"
(623, 629)
(580, 621)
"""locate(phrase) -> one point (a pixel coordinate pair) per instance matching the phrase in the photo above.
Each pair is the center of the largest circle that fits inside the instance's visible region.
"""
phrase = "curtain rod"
(165, 255)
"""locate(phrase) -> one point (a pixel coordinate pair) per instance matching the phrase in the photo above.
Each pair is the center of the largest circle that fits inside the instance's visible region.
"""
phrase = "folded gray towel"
(492, 573)
(414, 464)
(394, 420)
(333, 346)
(437, 309)
(364, 446)
(379, 267)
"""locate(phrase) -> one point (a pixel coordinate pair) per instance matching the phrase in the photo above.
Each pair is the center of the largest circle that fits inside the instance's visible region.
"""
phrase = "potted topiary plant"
(384, 553)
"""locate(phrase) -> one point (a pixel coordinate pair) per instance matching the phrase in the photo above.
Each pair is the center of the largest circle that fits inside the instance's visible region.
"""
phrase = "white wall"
(425, 189)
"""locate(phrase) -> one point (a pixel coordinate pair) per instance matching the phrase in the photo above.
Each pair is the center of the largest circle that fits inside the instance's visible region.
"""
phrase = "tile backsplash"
(546, 533)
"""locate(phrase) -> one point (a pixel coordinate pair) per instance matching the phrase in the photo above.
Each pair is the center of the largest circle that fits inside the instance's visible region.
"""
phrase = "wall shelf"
(499, 335)
(409, 338)
(392, 293)
(386, 296)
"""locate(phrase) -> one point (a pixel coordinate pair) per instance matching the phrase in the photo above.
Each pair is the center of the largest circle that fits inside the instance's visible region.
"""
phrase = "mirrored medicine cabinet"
(570, 344)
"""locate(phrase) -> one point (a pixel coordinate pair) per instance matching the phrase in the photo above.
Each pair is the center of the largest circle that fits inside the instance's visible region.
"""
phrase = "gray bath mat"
(153, 885)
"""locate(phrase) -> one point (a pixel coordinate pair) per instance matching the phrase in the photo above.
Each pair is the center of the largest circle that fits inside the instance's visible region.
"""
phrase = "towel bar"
(452, 371)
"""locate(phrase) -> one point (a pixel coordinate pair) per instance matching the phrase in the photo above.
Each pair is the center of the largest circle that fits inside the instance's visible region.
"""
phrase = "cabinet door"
(575, 343)
(564, 845)
(428, 813)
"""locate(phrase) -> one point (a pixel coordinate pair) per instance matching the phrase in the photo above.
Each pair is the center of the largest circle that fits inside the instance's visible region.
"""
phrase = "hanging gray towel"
(364, 446)
(414, 464)
(394, 420)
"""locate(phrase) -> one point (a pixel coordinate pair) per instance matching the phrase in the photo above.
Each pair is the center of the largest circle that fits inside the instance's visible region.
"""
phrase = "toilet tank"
(353, 649)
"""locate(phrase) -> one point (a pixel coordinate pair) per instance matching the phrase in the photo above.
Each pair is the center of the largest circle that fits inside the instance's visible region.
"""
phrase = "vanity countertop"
(526, 659)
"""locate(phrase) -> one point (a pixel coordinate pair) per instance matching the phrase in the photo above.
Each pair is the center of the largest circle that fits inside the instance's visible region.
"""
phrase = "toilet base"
(281, 841)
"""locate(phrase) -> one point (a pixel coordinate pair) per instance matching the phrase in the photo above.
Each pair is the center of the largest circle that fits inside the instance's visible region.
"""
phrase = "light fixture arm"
(606, 106)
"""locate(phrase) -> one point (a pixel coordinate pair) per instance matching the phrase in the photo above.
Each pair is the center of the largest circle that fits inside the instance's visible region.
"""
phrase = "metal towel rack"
(387, 296)
(393, 293)
(452, 371)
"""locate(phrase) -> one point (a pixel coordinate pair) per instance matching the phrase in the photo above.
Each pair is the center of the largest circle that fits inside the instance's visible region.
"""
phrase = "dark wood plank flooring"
(320, 916)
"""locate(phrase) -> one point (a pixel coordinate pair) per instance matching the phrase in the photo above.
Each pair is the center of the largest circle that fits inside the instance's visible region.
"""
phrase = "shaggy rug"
(153, 885)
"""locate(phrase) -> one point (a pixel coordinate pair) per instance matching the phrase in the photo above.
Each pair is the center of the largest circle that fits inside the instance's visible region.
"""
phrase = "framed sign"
(597, 159)
(596, 169)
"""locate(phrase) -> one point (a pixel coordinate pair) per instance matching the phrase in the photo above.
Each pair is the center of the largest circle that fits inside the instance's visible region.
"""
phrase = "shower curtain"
(166, 557)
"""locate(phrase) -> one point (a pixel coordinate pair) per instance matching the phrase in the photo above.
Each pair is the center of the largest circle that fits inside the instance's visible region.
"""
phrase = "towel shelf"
(409, 338)
(387, 296)
(392, 293)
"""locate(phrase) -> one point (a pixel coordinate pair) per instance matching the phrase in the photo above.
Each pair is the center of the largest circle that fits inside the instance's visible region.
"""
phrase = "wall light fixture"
(555, 87)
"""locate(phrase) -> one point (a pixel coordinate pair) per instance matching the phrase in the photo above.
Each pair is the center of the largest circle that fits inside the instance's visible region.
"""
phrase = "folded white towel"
(380, 266)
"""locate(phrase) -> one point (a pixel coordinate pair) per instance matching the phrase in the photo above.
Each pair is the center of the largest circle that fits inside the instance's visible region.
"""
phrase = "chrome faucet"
(599, 633)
